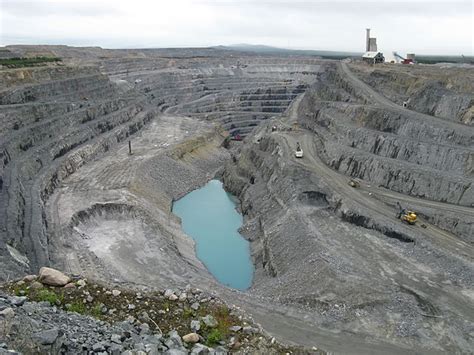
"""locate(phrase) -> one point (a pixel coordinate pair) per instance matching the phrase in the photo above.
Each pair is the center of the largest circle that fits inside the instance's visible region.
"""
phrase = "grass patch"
(21, 290)
(28, 62)
(188, 313)
(214, 337)
(96, 311)
(49, 296)
(77, 307)
(224, 320)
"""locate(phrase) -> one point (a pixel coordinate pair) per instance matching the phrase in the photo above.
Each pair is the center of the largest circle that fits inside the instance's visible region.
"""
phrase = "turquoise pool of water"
(209, 216)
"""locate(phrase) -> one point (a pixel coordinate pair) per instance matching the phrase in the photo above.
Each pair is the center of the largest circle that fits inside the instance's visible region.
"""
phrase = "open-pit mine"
(96, 148)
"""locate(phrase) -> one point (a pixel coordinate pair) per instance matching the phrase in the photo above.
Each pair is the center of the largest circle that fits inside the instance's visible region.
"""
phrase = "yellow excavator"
(407, 216)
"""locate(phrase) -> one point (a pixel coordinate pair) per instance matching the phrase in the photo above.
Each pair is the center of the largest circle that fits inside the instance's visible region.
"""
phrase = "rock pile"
(84, 317)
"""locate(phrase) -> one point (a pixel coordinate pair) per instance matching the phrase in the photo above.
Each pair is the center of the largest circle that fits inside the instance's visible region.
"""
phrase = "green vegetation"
(214, 337)
(45, 295)
(28, 62)
(433, 59)
(77, 307)
(224, 320)
(21, 290)
(96, 311)
(188, 313)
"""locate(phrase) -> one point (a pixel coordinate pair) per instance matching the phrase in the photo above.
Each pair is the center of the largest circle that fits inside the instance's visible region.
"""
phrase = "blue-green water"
(209, 216)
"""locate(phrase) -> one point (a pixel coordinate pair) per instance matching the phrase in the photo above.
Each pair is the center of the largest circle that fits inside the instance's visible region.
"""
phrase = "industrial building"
(373, 57)
(371, 54)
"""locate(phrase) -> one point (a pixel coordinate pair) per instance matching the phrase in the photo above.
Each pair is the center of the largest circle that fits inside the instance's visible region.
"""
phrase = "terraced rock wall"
(47, 114)
(316, 249)
(432, 160)
(59, 117)
(237, 96)
(442, 92)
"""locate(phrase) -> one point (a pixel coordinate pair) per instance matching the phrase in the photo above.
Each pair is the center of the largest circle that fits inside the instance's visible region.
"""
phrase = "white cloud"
(419, 26)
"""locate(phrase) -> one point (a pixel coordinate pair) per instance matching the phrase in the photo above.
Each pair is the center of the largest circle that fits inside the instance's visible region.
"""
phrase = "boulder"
(200, 349)
(176, 352)
(46, 337)
(98, 347)
(36, 285)
(116, 293)
(210, 321)
(7, 313)
(195, 325)
(168, 293)
(115, 338)
(81, 283)
(17, 301)
(53, 277)
(235, 328)
(191, 338)
(152, 349)
(174, 340)
(249, 330)
(144, 329)
(29, 278)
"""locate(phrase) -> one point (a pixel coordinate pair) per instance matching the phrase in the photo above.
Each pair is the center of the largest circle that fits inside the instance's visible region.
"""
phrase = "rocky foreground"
(54, 313)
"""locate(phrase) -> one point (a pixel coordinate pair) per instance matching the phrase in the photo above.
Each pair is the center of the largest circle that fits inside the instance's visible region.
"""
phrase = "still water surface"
(209, 216)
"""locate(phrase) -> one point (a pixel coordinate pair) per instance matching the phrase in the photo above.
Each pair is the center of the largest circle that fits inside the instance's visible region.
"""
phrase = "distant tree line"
(433, 59)
(27, 62)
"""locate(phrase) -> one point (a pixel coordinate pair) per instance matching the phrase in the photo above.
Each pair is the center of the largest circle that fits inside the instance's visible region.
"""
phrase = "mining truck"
(299, 151)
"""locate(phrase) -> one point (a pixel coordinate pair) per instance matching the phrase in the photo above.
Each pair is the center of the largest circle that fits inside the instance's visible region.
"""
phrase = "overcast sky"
(420, 26)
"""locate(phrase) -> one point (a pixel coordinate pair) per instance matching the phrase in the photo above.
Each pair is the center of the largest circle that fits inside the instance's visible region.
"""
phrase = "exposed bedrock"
(239, 96)
(442, 92)
(432, 160)
(317, 250)
(331, 261)
(112, 218)
(120, 240)
(73, 88)
(54, 121)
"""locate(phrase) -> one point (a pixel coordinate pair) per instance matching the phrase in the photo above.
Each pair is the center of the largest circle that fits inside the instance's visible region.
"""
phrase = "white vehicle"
(299, 151)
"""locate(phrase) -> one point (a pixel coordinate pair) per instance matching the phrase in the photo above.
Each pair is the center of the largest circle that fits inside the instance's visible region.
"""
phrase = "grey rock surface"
(209, 321)
(329, 259)
(46, 337)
